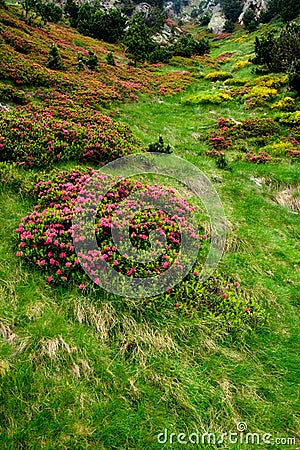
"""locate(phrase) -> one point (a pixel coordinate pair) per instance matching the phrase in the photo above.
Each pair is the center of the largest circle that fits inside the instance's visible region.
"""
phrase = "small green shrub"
(80, 62)
(159, 146)
(110, 59)
(228, 26)
(54, 59)
(18, 180)
(238, 82)
(92, 61)
(219, 299)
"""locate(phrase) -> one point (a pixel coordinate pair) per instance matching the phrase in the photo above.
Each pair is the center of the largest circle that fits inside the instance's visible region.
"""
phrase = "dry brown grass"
(290, 198)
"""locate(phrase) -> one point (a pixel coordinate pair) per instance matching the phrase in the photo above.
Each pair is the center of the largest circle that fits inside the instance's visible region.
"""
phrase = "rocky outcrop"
(256, 5)
(217, 20)
(167, 35)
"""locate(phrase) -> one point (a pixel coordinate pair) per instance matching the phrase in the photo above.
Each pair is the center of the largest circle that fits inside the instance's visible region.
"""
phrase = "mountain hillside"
(211, 362)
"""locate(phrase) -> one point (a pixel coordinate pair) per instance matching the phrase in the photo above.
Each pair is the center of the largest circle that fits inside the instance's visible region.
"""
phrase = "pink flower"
(204, 237)
(81, 286)
(59, 272)
(225, 296)
(43, 262)
(19, 254)
(68, 264)
(165, 265)
(116, 262)
(237, 284)
(50, 279)
(196, 273)
(63, 255)
(247, 310)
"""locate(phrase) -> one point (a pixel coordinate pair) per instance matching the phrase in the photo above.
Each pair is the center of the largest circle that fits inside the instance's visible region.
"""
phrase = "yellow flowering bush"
(218, 76)
(207, 97)
(272, 81)
(260, 95)
(289, 118)
(278, 149)
(240, 65)
(285, 104)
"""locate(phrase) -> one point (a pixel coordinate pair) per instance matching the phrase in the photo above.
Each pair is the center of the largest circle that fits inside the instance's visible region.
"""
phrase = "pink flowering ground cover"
(23, 61)
(40, 137)
(258, 140)
(46, 233)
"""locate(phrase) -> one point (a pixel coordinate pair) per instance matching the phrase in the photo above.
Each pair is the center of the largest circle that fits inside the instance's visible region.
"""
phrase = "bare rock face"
(167, 35)
(213, 8)
(143, 8)
(256, 5)
(217, 20)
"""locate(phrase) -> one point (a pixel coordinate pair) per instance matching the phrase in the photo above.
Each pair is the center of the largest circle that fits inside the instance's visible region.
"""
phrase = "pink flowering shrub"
(36, 137)
(248, 127)
(17, 42)
(224, 57)
(255, 140)
(46, 234)
(23, 61)
(260, 158)
(219, 141)
(45, 242)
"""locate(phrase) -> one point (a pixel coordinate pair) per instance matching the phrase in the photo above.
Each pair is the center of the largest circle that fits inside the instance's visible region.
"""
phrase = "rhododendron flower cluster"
(46, 233)
(41, 137)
